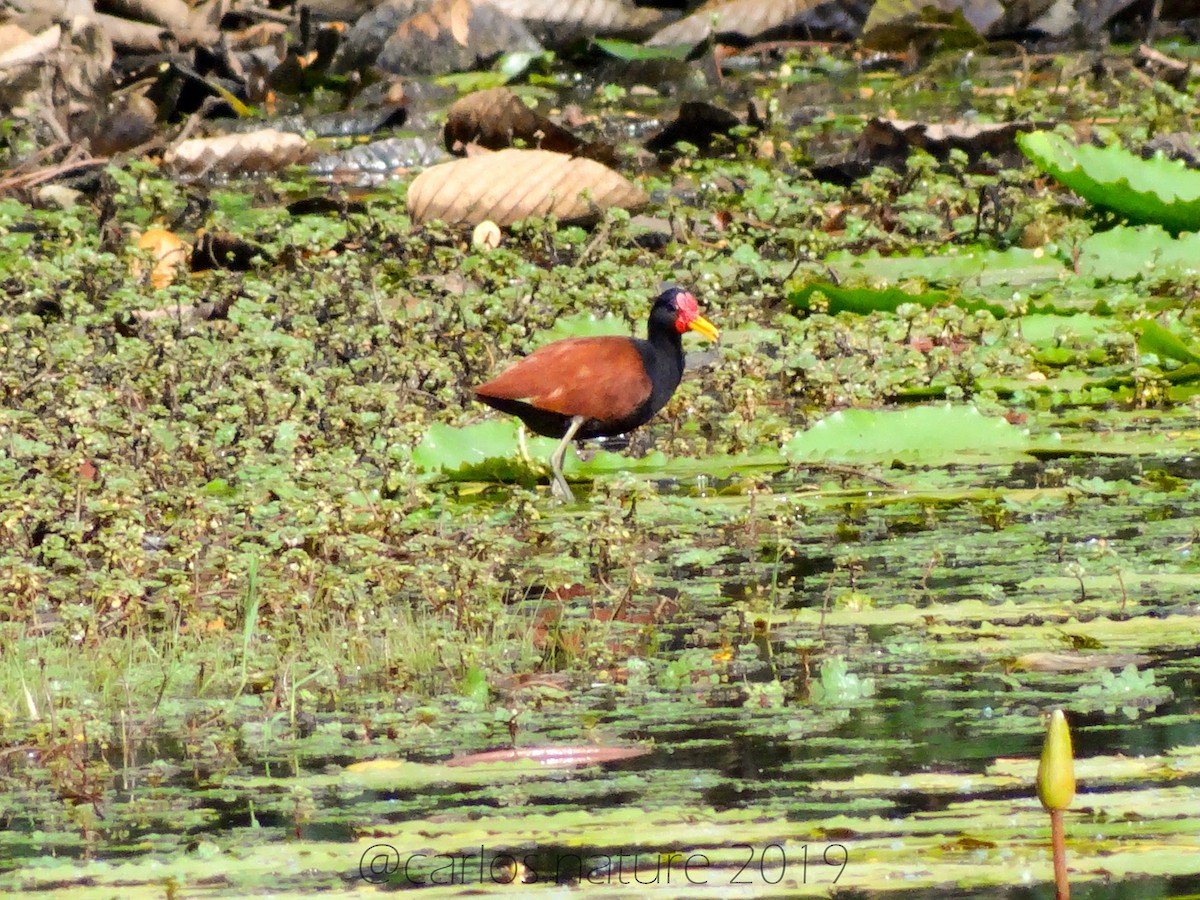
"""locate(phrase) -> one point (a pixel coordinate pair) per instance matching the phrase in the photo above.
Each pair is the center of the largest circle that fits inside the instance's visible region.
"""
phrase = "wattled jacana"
(599, 386)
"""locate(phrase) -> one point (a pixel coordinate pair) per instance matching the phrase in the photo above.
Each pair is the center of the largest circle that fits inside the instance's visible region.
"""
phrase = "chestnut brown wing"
(601, 378)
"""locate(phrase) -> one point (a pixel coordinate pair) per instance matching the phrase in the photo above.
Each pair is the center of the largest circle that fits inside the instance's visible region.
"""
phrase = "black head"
(676, 311)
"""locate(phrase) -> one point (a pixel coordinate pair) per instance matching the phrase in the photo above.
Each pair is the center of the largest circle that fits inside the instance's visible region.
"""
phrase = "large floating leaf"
(926, 435)
(1155, 190)
(514, 184)
(1049, 330)
(825, 296)
(484, 452)
(1124, 253)
(490, 451)
(967, 269)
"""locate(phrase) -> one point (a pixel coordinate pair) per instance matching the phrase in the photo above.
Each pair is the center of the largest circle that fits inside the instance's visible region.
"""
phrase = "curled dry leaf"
(254, 151)
(496, 118)
(167, 252)
(513, 184)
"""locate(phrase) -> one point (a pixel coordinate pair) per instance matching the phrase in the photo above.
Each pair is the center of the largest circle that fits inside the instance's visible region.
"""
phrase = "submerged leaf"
(168, 253)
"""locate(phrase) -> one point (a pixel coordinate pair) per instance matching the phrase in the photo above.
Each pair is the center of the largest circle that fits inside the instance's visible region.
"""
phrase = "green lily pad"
(1157, 190)
(1048, 330)
(968, 269)
(825, 296)
(1125, 253)
(488, 451)
(925, 435)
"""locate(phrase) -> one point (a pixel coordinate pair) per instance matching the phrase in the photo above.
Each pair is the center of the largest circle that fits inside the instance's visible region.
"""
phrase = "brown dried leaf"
(748, 18)
(884, 139)
(254, 151)
(590, 17)
(496, 118)
(514, 184)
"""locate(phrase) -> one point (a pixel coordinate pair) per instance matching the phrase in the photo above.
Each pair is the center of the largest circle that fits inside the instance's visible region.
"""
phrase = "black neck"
(662, 354)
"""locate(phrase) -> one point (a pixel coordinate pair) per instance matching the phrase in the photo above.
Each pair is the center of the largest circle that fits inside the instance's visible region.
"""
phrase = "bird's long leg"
(560, 485)
(521, 443)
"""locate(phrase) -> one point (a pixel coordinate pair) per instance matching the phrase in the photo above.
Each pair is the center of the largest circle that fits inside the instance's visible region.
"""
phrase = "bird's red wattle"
(687, 311)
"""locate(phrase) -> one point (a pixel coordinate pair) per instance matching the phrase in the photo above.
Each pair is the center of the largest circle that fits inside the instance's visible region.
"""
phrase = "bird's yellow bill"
(704, 327)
